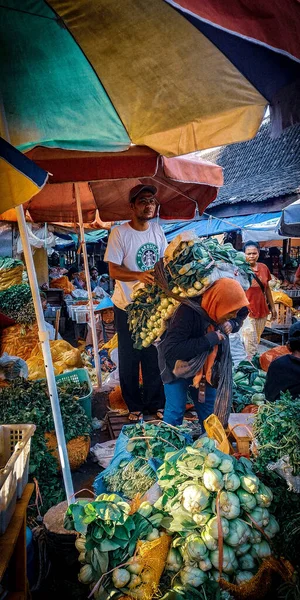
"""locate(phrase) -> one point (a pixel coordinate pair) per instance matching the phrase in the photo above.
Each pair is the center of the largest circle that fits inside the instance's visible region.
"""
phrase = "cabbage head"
(202, 518)
(229, 505)
(192, 576)
(243, 549)
(212, 460)
(226, 465)
(264, 496)
(272, 528)
(216, 575)
(212, 527)
(261, 550)
(247, 562)
(239, 533)
(195, 498)
(230, 563)
(174, 561)
(260, 516)
(242, 576)
(231, 481)
(194, 548)
(248, 501)
(213, 479)
(250, 483)
(205, 563)
(255, 536)
(210, 542)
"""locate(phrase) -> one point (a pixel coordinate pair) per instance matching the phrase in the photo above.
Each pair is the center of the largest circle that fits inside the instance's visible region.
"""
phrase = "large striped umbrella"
(100, 75)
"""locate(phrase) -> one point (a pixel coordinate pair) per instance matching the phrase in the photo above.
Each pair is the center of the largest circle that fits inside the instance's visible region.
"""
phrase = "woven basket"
(78, 449)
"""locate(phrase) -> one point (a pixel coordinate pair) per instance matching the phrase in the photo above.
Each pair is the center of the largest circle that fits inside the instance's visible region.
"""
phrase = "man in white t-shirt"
(132, 251)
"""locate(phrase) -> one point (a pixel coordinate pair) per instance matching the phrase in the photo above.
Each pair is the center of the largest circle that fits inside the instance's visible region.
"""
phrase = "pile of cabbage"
(191, 479)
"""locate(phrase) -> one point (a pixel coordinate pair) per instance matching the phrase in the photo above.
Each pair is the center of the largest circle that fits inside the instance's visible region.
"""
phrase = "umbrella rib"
(26, 12)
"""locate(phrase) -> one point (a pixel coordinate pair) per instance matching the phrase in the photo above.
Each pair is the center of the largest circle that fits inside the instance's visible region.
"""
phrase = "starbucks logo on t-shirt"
(147, 256)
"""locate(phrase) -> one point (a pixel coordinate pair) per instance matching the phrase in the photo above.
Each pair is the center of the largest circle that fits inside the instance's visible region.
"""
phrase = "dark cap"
(294, 332)
(134, 192)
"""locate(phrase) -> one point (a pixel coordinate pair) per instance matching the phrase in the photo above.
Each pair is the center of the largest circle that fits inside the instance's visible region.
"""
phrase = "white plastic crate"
(15, 441)
(80, 314)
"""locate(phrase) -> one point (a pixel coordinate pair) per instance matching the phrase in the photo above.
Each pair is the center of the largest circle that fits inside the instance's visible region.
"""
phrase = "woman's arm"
(271, 302)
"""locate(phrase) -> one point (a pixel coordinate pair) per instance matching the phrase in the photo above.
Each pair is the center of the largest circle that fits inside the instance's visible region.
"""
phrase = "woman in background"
(260, 300)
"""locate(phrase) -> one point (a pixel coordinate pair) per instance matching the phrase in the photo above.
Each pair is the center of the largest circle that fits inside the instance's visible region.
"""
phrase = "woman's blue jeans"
(176, 399)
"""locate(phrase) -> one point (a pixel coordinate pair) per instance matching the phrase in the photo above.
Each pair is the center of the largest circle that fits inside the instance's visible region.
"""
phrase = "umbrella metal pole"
(43, 336)
(89, 289)
(45, 344)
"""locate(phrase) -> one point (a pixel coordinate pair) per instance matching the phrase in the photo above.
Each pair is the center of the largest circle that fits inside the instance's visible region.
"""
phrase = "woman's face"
(252, 255)
(231, 315)
(108, 315)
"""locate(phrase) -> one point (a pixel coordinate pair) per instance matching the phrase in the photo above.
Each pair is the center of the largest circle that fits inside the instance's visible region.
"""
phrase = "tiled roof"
(260, 169)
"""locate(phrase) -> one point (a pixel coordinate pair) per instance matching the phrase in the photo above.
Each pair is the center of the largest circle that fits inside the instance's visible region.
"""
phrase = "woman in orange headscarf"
(191, 334)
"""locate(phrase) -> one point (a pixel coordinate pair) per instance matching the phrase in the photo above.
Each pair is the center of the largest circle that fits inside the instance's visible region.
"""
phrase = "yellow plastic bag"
(64, 356)
(283, 298)
(216, 431)
(112, 344)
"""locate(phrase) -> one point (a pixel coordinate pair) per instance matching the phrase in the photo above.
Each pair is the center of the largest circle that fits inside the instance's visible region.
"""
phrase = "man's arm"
(121, 273)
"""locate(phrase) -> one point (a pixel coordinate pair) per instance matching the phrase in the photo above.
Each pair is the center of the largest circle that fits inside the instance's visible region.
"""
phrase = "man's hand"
(146, 277)
(274, 313)
(227, 327)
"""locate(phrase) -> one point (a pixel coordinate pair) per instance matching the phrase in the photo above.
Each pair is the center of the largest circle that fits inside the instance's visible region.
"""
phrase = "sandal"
(160, 414)
(135, 417)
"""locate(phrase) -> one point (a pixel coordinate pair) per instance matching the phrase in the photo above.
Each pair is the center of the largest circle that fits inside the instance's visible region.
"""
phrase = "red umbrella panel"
(185, 185)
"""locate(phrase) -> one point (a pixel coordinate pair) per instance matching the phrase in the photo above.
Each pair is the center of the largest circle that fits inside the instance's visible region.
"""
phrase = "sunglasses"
(145, 201)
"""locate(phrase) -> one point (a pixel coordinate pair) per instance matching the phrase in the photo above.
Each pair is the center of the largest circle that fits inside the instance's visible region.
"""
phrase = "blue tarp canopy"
(213, 226)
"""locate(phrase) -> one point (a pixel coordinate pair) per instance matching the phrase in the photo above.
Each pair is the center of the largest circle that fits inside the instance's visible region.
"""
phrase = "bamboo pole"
(88, 285)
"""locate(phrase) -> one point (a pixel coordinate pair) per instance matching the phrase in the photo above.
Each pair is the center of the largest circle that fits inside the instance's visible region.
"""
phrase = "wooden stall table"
(240, 428)
(13, 548)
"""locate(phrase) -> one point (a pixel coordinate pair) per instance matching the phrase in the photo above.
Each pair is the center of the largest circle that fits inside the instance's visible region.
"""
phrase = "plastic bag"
(65, 357)
(283, 468)
(237, 348)
(12, 367)
(103, 453)
(267, 357)
(120, 453)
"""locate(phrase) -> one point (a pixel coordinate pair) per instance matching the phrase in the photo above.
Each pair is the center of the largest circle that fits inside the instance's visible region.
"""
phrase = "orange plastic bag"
(64, 357)
(63, 283)
(267, 357)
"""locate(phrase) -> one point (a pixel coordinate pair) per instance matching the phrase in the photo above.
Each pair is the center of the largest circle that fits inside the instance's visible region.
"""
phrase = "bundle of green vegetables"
(248, 384)
(277, 432)
(194, 266)
(16, 302)
(134, 471)
(107, 543)
(154, 440)
(28, 402)
(194, 482)
(130, 478)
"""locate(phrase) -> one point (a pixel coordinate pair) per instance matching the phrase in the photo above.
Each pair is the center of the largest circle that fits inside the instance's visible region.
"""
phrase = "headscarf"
(223, 297)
